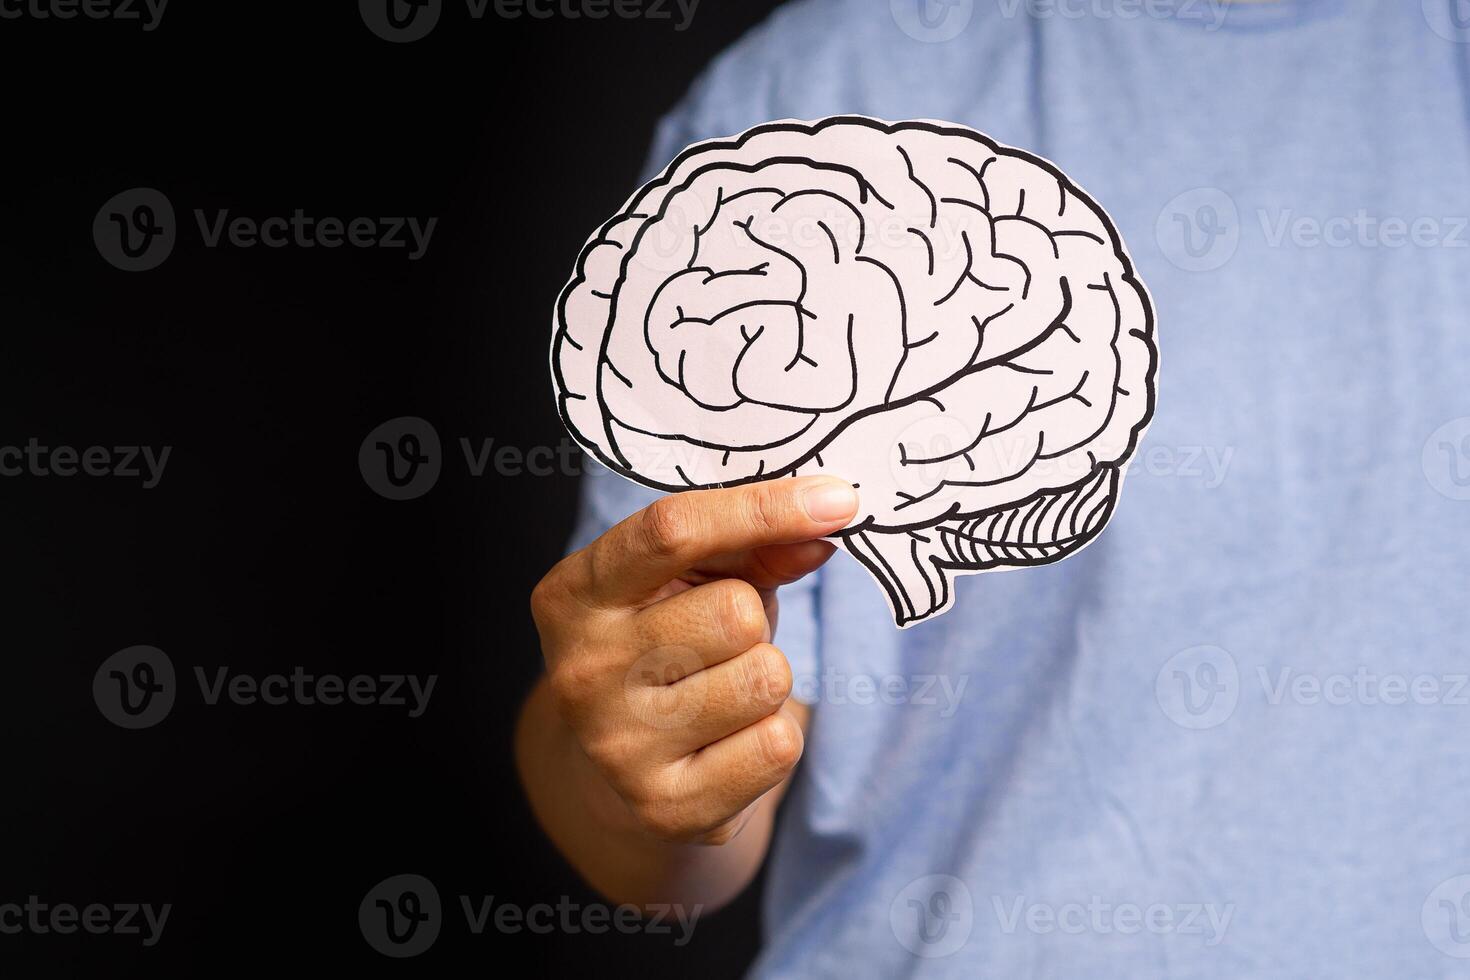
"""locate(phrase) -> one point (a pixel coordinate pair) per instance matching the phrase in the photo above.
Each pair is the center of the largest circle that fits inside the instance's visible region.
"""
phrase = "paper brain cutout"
(948, 323)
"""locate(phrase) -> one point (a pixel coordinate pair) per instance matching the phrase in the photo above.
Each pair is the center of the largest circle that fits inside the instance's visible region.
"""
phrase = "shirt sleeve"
(725, 100)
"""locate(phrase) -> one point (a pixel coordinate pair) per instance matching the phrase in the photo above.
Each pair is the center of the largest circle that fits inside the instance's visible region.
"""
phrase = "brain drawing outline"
(948, 323)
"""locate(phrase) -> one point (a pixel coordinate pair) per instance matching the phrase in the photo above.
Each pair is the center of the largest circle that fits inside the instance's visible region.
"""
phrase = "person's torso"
(1228, 739)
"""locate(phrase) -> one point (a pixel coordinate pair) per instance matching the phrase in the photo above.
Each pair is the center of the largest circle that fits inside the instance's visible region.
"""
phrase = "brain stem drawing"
(949, 324)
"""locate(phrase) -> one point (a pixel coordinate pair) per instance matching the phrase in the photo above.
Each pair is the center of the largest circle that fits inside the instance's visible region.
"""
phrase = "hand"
(657, 639)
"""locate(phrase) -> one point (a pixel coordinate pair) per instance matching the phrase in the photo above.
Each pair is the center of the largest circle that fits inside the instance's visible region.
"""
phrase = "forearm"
(599, 835)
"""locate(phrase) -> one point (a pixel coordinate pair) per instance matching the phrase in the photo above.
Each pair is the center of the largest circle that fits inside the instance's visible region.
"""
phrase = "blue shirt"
(1229, 739)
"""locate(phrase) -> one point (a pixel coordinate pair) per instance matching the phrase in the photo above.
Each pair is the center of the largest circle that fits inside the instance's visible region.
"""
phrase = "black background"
(262, 548)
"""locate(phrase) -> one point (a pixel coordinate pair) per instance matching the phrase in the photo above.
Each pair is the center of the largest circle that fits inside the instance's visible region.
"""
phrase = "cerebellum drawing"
(948, 323)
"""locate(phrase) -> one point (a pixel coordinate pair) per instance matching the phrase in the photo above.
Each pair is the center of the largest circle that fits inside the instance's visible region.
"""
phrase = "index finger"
(636, 558)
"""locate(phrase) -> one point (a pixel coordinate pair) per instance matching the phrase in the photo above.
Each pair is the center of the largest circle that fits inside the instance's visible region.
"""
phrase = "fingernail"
(830, 502)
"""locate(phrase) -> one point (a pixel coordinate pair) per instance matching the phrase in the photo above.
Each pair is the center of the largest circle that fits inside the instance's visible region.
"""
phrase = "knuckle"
(721, 835)
(562, 592)
(780, 743)
(765, 509)
(666, 527)
(664, 666)
(545, 598)
(611, 755)
(663, 819)
(769, 675)
(574, 682)
(742, 615)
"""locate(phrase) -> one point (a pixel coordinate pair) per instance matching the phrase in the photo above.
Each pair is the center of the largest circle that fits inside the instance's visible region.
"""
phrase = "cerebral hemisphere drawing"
(949, 324)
